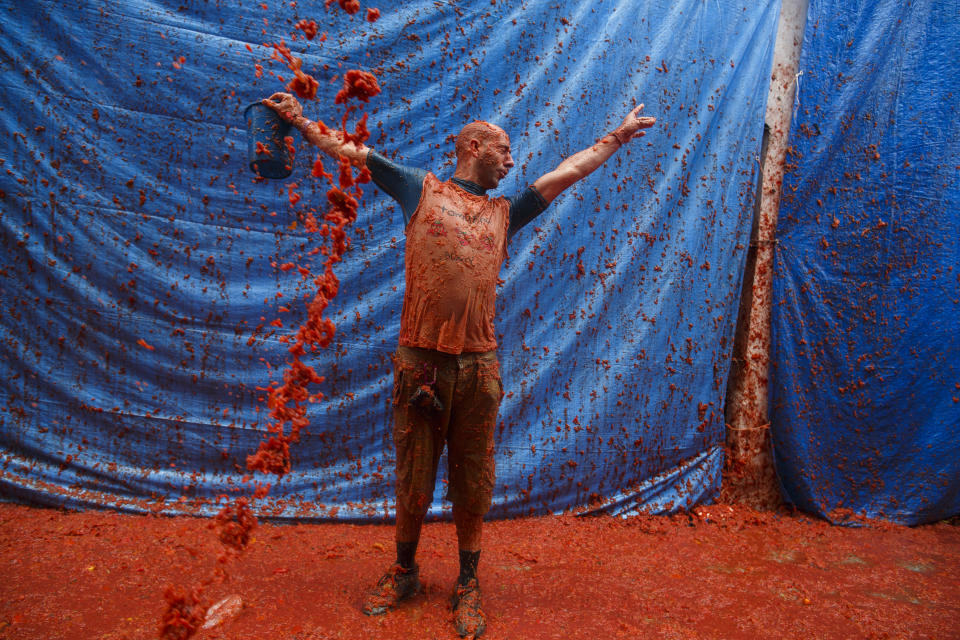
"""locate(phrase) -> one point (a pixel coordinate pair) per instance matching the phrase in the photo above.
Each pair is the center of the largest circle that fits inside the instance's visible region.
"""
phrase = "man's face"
(495, 160)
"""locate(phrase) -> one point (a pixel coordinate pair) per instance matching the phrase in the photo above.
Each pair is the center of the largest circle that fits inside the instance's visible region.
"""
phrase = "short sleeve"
(525, 207)
(403, 184)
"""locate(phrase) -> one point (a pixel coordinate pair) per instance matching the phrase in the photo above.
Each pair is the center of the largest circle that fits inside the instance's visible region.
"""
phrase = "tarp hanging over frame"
(139, 270)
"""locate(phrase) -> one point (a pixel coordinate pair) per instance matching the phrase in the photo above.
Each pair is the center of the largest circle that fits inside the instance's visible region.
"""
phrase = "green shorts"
(469, 389)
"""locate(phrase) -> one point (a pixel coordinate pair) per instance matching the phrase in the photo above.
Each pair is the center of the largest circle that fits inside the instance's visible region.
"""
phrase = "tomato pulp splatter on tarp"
(309, 28)
(350, 6)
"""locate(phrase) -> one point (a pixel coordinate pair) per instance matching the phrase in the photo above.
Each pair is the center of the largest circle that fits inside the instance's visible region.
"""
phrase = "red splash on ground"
(373, 15)
(185, 613)
(762, 575)
(186, 609)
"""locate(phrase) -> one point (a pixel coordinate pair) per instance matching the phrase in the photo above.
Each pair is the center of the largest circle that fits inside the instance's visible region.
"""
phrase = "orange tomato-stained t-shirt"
(456, 242)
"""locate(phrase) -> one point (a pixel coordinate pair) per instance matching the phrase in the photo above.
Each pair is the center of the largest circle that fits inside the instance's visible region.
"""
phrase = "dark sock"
(468, 566)
(406, 551)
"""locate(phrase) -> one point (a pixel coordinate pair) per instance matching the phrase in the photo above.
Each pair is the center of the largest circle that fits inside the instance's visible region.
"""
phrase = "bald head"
(483, 154)
(478, 130)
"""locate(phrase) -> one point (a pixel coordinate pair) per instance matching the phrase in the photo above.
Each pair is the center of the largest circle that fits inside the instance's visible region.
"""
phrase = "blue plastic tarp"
(865, 390)
(141, 260)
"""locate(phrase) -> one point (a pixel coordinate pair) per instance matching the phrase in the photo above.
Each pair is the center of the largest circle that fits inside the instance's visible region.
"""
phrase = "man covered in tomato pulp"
(447, 388)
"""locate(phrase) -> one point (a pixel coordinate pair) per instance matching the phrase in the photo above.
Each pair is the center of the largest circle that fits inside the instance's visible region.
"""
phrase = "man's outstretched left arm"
(583, 163)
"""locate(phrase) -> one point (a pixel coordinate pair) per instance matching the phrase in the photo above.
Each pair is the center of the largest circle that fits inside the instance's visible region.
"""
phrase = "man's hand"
(330, 141)
(582, 163)
(633, 125)
(288, 107)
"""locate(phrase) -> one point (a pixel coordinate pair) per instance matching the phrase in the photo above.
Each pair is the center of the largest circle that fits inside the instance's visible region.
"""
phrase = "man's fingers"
(273, 102)
(647, 121)
(280, 99)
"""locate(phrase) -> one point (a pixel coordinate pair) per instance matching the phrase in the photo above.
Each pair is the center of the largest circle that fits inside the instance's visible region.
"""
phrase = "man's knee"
(472, 497)
(415, 503)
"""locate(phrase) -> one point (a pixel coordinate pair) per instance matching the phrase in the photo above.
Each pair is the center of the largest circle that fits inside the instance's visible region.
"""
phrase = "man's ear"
(475, 147)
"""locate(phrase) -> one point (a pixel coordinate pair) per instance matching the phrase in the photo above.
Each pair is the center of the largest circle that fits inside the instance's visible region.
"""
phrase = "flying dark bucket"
(267, 152)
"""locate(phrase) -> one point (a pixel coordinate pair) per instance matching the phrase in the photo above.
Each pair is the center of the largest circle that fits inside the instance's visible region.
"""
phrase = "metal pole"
(749, 477)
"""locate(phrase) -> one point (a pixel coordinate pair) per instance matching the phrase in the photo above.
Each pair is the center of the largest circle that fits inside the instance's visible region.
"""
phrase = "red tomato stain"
(309, 28)
(184, 615)
(350, 6)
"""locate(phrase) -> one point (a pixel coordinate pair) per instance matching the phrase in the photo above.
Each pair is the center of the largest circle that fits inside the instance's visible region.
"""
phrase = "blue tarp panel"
(866, 386)
(128, 215)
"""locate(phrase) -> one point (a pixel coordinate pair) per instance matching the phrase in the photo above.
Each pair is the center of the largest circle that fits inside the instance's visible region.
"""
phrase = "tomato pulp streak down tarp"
(866, 385)
(129, 215)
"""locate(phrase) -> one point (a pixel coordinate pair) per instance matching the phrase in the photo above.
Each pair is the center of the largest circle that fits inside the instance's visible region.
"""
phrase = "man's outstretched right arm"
(330, 141)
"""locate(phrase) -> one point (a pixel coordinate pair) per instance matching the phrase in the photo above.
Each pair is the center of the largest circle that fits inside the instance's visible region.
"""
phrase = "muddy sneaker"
(395, 586)
(467, 614)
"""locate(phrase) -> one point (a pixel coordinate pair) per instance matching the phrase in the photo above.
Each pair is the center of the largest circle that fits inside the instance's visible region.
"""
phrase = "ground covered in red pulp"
(723, 573)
